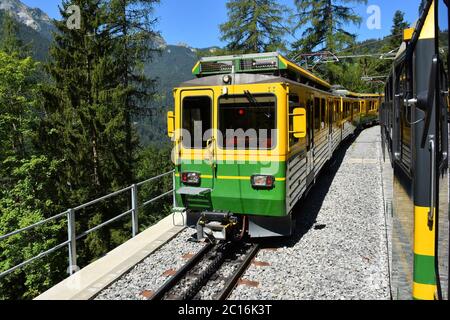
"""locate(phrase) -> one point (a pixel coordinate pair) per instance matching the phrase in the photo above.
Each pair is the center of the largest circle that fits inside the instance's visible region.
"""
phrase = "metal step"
(190, 191)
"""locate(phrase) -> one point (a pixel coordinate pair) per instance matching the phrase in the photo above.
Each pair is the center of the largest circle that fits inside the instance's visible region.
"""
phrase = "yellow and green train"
(414, 125)
(251, 135)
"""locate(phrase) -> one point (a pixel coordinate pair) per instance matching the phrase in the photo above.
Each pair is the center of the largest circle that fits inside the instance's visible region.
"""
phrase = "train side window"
(339, 111)
(323, 114)
(294, 98)
(316, 114)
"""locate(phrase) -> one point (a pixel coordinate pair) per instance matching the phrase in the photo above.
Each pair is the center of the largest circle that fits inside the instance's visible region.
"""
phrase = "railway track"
(188, 283)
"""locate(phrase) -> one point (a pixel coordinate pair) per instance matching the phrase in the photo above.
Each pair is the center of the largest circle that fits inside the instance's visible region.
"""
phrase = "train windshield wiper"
(255, 103)
(251, 99)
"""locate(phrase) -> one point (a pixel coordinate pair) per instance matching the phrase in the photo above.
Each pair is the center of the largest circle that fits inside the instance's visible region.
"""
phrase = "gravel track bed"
(149, 274)
(339, 251)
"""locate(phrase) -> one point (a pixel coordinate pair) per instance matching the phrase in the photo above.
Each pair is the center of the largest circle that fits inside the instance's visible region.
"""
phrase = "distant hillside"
(33, 18)
(35, 26)
(38, 44)
(172, 67)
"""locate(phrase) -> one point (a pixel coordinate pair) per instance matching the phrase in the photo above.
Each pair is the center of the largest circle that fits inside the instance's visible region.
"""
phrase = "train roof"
(251, 78)
(349, 94)
(272, 63)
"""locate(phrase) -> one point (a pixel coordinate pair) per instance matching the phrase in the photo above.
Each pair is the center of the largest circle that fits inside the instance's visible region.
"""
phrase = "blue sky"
(196, 22)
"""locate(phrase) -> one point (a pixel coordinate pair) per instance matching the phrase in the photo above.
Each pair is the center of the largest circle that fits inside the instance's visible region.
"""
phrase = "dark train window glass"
(316, 114)
(197, 118)
(323, 114)
(333, 111)
(294, 98)
(256, 119)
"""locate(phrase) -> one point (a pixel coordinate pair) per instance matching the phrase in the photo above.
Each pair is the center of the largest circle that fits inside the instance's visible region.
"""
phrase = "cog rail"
(189, 281)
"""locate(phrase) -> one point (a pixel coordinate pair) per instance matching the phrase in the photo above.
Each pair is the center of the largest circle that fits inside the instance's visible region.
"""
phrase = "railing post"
(134, 208)
(174, 195)
(72, 238)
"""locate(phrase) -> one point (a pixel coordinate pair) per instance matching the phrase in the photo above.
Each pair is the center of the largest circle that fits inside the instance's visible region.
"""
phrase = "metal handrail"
(155, 178)
(72, 237)
(104, 224)
(109, 196)
(37, 224)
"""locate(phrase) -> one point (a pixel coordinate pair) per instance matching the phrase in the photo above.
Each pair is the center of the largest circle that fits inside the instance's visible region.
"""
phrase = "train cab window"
(197, 118)
(316, 114)
(247, 122)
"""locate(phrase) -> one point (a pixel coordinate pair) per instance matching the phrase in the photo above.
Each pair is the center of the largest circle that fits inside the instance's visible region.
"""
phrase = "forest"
(68, 130)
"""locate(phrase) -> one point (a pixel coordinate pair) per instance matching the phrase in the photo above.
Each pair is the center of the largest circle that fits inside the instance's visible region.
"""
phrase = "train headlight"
(263, 181)
(227, 79)
(192, 178)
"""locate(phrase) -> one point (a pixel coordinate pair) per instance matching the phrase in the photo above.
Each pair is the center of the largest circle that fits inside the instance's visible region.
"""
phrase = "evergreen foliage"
(399, 25)
(10, 42)
(32, 42)
(67, 141)
(26, 182)
(97, 84)
(323, 22)
(254, 26)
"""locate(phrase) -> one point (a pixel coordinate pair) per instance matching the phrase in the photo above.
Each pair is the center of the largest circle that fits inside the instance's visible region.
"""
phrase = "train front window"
(197, 121)
(247, 122)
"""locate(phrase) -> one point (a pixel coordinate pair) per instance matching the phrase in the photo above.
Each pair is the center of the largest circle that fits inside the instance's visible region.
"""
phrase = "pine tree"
(97, 82)
(393, 43)
(323, 22)
(254, 26)
(399, 25)
(132, 26)
(9, 41)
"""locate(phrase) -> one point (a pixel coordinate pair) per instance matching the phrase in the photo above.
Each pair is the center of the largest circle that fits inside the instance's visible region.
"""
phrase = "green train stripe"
(424, 272)
(234, 193)
(277, 169)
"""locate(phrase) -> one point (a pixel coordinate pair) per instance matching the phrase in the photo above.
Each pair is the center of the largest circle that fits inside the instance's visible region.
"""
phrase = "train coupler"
(216, 226)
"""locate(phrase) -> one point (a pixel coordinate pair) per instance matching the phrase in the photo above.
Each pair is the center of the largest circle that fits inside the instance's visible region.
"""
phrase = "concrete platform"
(88, 282)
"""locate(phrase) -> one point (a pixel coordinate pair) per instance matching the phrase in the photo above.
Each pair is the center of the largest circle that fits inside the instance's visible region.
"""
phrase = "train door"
(197, 143)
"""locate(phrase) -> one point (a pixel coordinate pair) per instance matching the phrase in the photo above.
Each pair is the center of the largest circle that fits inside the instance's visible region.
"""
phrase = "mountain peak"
(31, 17)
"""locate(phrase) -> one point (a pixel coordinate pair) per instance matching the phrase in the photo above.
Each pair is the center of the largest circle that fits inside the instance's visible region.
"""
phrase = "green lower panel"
(424, 271)
(233, 192)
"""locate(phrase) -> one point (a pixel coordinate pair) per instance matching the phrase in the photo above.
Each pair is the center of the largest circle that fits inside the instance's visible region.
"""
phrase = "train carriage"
(414, 124)
(251, 135)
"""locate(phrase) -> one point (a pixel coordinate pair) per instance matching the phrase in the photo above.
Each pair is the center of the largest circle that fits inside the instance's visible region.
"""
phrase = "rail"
(70, 215)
